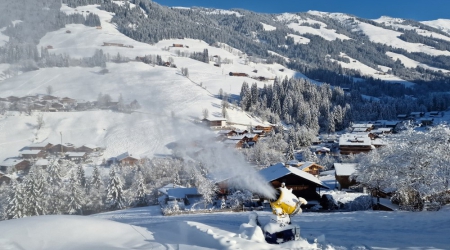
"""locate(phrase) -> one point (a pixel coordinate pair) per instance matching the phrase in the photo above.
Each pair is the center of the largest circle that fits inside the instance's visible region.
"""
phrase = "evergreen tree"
(115, 196)
(16, 206)
(76, 197)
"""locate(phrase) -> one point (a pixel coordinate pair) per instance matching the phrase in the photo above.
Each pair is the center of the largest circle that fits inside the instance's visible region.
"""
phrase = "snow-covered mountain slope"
(146, 228)
(161, 91)
(371, 72)
(382, 35)
(297, 24)
(442, 24)
(398, 23)
(409, 63)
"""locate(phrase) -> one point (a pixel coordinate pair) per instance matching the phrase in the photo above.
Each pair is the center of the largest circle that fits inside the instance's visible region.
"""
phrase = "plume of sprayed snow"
(222, 162)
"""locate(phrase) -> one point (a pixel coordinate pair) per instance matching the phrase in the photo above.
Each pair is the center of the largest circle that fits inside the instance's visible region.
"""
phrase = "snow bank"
(72, 232)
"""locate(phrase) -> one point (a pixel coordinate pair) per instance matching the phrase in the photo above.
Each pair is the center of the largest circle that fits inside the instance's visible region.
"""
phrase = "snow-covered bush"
(238, 198)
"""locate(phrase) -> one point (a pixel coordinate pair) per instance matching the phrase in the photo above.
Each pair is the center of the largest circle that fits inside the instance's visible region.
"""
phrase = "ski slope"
(410, 63)
(381, 35)
(146, 228)
(371, 72)
(442, 24)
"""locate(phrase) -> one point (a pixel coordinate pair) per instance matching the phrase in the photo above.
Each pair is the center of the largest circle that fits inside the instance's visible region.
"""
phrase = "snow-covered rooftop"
(169, 186)
(279, 170)
(30, 152)
(181, 192)
(345, 169)
(355, 139)
(11, 162)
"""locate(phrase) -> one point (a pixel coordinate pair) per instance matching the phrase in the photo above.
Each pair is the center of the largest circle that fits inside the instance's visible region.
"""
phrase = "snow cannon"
(287, 203)
(280, 229)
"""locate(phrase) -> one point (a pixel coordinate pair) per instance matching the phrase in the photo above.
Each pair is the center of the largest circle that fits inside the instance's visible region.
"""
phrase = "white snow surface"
(294, 22)
(268, 27)
(368, 71)
(222, 12)
(410, 63)
(146, 228)
(382, 35)
(299, 39)
(442, 24)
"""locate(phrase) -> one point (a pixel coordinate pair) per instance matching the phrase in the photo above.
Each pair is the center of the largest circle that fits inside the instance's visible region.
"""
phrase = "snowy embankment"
(146, 228)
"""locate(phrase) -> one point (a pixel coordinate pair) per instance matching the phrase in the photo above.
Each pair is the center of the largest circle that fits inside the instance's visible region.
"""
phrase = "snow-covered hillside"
(368, 71)
(161, 91)
(442, 24)
(382, 35)
(146, 228)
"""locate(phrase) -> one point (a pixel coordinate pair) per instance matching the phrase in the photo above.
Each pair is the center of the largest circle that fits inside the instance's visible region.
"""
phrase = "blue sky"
(420, 10)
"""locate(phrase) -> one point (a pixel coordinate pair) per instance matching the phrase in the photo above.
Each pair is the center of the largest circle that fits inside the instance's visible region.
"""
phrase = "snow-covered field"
(146, 228)
(409, 63)
(442, 24)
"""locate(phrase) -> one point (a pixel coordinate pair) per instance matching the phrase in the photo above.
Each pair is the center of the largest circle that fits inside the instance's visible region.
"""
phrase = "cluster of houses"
(421, 118)
(49, 103)
(300, 176)
(38, 155)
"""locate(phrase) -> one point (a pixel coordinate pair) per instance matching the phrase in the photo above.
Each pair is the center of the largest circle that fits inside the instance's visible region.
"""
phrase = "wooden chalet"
(362, 127)
(355, 144)
(58, 148)
(39, 146)
(266, 128)
(76, 156)
(215, 122)
(402, 116)
(16, 163)
(343, 172)
(32, 154)
(4, 178)
(127, 159)
(309, 167)
(67, 100)
(416, 114)
(87, 148)
(249, 139)
(57, 106)
(178, 45)
(302, 183)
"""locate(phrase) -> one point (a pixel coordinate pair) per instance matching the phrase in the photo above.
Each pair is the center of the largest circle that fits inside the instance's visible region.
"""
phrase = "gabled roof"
(279, 170)
(11, 162)
(362, 125)
(345, 169)
(355, 139)
(30, 152)
(240, 137)
(126, 155)
(169, 186)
